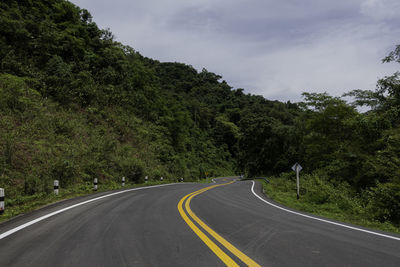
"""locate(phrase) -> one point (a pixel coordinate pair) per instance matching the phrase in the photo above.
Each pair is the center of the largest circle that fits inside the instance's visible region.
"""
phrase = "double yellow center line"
(190, 218)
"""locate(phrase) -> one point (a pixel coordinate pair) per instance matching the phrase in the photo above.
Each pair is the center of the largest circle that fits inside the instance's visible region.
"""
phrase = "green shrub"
(384, 202)
(15, 94)
(34, 184)
(64, 170)
(317, 190)
(132, 168)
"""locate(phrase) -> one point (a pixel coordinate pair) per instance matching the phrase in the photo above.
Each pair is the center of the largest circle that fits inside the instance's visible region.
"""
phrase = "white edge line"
(16, 229)
(322, 220)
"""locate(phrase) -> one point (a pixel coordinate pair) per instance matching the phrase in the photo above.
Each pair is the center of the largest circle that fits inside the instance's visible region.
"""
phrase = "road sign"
(296, 167)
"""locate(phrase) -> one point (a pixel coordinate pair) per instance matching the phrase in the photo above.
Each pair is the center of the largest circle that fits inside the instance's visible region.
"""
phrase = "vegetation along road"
(228, 222)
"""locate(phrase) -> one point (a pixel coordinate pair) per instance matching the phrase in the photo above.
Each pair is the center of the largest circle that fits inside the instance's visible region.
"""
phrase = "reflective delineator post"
(123, 181)
(145, 179)
(95, 184)
(1, 200)
(56, 186)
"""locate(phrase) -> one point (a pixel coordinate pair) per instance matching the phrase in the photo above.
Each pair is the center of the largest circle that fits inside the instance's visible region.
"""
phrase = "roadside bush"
(15, 94)
(317, 190)
(132, 168)
(33, 184)
(384, 202)
(64, 170)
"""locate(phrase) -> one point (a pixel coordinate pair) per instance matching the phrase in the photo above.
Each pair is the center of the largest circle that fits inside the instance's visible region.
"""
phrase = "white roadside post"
(56, 186)
(1, 200)
(95, 184)
(145, 179)
(123, 181)
(297, 168)
(161, 178)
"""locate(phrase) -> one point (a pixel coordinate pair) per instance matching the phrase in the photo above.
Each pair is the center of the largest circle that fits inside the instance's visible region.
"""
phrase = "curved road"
(186, 225)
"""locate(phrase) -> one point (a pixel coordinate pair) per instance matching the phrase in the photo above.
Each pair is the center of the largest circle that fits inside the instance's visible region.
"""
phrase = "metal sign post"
(297, 168)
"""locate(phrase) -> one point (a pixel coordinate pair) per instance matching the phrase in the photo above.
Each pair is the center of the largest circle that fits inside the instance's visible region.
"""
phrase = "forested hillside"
(75, 104)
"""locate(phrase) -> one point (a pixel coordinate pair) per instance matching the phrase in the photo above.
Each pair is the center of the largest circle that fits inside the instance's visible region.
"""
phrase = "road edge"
(267, 201)
(53, 213)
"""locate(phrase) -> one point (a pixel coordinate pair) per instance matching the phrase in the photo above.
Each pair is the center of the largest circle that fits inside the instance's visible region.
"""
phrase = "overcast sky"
(274, 48)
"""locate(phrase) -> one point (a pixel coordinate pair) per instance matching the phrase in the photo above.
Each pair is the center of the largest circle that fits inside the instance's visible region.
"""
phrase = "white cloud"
(381, 9)
(276, 49)
(336, 60)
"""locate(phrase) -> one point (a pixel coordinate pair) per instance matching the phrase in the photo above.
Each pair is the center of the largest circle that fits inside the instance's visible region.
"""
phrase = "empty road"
(186, 224)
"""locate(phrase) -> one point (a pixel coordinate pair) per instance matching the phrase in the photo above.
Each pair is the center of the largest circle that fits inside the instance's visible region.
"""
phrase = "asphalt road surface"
(186, 224)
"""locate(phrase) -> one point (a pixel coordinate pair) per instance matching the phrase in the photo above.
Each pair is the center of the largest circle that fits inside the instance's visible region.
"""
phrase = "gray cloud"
(277, 49)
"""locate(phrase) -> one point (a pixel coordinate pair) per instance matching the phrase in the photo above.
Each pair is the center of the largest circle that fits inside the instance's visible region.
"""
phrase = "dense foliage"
(75, 104)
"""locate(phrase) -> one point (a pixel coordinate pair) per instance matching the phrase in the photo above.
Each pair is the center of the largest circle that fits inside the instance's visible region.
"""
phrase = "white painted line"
(322, 220)
(16, 229)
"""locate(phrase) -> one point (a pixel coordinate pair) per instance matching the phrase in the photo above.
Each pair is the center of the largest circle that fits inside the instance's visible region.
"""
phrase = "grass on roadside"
(323, 199)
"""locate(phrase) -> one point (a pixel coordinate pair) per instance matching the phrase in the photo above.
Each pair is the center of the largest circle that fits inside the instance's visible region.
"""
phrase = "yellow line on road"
(222, 255)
